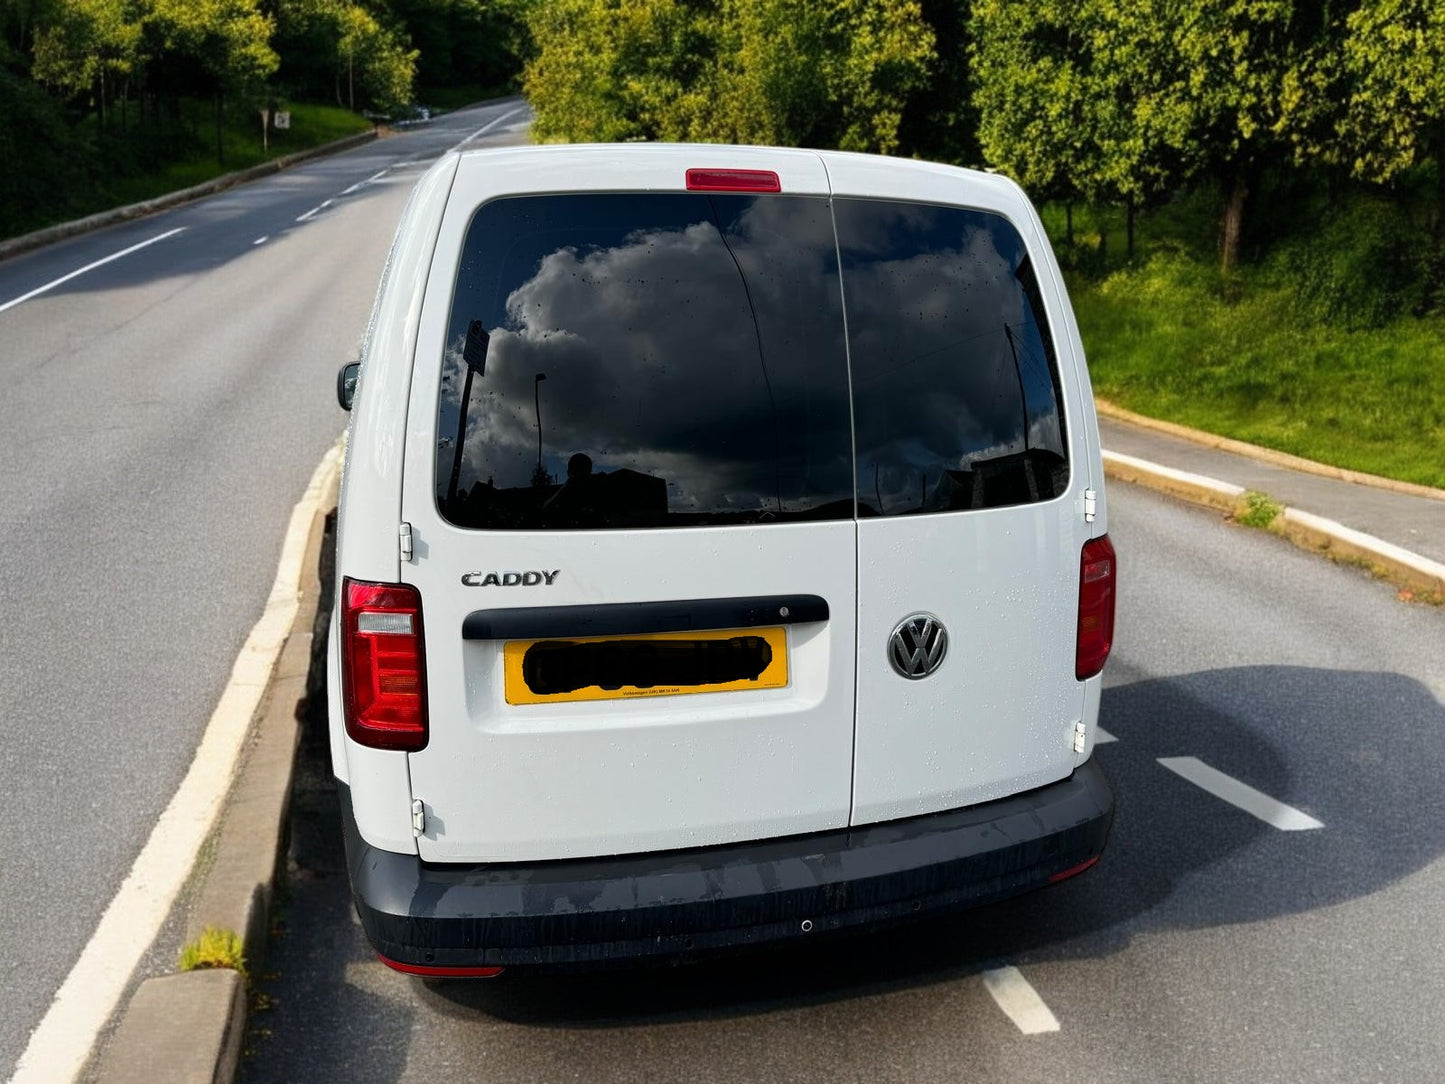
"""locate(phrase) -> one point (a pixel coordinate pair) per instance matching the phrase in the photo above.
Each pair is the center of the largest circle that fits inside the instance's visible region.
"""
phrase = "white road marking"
(488, 127)
(315, 210)
(260, 241)
(90, 267)
(1285, 818)
(61, 1044)
(1019, 1001)
(1102, 736)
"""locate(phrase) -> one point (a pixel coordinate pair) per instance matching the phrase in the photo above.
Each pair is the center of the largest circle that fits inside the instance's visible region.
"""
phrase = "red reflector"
(1097, 566)
(1072, 871)
(733, 180)
(383, 665)
(442, 972)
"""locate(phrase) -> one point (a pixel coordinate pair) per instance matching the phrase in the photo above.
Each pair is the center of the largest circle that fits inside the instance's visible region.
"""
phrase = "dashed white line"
(1019, 1001)
(60, 1045)
(1102, 736)
(260, 241)
(315, 210)
(489, 126)
(89, 267)
(1285, 818)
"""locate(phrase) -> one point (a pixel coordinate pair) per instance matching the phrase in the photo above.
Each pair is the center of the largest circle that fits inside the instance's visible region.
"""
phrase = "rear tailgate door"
(629, 482)
(970, 516)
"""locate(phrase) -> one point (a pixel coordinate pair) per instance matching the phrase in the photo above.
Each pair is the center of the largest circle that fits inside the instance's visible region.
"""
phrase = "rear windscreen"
(645, 361)
(956, 392)
(659, 360)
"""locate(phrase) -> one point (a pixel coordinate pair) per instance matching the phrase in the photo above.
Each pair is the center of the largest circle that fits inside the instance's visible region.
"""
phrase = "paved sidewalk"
(1414, 523)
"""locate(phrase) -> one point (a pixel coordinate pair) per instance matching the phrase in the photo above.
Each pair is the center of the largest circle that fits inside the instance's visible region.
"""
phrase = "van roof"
(866, 174)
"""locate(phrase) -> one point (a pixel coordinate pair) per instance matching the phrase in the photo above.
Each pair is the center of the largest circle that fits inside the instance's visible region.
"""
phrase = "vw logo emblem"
(917, 645)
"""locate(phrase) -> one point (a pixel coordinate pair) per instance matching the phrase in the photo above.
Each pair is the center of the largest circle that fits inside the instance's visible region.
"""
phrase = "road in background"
(161, 414)
(1224, 937)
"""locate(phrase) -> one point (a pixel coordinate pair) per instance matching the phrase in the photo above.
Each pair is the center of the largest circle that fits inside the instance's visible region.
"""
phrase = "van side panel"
(371, 489)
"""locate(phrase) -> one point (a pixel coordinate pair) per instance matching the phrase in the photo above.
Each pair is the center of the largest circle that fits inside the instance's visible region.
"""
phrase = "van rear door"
(970, 523)
(629, 485)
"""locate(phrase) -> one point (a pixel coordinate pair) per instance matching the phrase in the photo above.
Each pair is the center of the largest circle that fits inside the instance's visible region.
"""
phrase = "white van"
(721, 558)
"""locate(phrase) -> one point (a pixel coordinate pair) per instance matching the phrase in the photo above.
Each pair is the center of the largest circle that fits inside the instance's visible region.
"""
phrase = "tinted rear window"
(956, 392)
(674, 359)
(645, 361)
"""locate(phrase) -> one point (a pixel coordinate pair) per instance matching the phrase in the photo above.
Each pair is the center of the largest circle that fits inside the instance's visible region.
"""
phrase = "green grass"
(135, 174)
(311, 126)
(1260, 510)
(214, 948)
(1165, 338)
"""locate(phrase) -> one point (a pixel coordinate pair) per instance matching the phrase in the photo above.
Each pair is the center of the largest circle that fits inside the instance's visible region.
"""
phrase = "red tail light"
(383, 665)
(1096, 607)
(733, 180)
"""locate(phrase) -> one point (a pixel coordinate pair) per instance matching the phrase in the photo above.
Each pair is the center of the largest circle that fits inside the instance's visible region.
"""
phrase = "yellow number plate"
(654, 664)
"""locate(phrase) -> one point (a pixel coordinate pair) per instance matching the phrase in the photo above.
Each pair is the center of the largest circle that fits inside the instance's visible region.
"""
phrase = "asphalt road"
(160, 415)
(1208, 945)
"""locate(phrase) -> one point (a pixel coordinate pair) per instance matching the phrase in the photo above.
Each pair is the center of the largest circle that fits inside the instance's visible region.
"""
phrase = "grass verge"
(311, 126)
(1166, 338)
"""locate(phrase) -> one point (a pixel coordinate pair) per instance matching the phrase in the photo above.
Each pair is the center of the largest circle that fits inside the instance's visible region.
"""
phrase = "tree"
(224, 45)
(1126, 100)
(1389, 73)
(835, 73)
(85, 47)
(341, 48)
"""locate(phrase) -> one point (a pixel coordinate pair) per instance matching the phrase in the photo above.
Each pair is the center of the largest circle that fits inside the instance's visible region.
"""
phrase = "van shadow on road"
(1356, 750)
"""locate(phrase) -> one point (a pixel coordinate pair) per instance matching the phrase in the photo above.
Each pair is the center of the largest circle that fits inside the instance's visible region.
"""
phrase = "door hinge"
(404, 537)
(1081, 737)
(1091, 505)
(418, 818)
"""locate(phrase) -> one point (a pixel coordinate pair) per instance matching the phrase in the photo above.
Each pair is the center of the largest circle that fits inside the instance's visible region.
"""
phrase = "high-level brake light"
(733, 180)
(1097, 566)
(383, 665)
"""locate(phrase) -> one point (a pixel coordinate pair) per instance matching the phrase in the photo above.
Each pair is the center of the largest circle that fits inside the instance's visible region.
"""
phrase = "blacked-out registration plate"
(652, 664)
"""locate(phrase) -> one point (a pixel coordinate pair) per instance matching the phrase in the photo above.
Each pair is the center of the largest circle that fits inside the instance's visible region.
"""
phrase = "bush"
(54, 155)
(1367, 264)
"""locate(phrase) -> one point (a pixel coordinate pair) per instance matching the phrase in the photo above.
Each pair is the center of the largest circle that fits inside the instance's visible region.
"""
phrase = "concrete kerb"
(192, 1023)
(1306, 530)
(40, 238)
(1266, 455)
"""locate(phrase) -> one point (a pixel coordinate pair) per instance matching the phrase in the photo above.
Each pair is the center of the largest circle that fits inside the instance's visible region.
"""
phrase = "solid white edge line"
(1227, 488)
(1367, 541)
(1240, 795)
(1019, 1001)
(488, 127)
(1388, 550)
(89, 267)
(61, 1043)
(1102, 736)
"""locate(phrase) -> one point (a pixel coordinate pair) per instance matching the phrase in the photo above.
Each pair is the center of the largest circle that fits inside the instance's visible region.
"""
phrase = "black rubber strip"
(633, 618)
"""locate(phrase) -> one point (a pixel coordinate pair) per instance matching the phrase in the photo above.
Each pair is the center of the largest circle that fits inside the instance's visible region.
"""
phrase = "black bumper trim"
(595, 910)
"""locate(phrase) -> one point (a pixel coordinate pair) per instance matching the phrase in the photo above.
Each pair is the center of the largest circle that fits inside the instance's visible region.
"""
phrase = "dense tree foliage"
(1267, 106)
(108, 88)
(800, 72)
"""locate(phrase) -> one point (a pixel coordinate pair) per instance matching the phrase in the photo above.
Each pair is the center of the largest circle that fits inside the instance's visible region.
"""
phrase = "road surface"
(162, 411)
(1268, 909)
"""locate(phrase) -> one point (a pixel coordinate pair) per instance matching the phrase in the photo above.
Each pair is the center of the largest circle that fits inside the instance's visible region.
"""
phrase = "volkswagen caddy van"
(722, 558)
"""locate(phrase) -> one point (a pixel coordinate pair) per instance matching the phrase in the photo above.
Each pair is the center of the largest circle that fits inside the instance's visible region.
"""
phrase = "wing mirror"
(346, 383)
